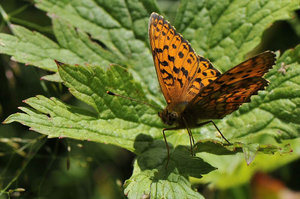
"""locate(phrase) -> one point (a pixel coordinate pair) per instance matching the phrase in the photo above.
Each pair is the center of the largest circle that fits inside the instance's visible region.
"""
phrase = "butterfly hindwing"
(226, 99)
(233, 88)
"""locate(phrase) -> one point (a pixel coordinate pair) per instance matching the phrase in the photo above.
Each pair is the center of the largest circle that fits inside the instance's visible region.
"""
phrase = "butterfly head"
(172, 113)
(168, 117)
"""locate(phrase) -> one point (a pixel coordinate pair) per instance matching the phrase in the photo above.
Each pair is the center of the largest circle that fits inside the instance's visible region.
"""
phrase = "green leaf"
(155, 184)
(85, 49)
(225, 31)
(270, 118)
(152, 178)
(53, 78)
(233, 170)
(123, 32)
(114, 118)
(122, 37)
(112, 22)
(218, 148)
(75, 47)
(29, 48)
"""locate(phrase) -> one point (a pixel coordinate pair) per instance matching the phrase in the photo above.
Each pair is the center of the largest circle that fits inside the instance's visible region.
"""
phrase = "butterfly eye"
(173, 116)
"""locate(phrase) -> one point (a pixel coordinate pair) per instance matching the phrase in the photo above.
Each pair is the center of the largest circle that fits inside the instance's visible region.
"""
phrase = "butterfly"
(194, 90)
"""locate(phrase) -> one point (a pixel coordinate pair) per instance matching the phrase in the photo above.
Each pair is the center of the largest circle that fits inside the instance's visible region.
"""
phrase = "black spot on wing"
(198, 80)
(202, 59)
(169, 76)
(176, 70)
(180, 54)
(210, 66)
(180, 81)
(185, 72)
(164, 63)
(171, 58)
(158, 50)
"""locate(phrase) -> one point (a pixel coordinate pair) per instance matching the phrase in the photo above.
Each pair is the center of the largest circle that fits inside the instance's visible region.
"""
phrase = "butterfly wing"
(232, 89)
(180, 71)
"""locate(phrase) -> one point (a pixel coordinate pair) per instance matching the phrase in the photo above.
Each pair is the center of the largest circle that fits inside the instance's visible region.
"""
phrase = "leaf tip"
(58, 63)
(5, 122)
(12, 58)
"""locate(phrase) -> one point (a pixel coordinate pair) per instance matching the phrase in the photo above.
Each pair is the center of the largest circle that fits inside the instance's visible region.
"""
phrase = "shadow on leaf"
(152, 155)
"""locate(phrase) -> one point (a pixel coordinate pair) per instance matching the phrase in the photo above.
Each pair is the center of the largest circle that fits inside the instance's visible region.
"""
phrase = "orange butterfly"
(194, 90)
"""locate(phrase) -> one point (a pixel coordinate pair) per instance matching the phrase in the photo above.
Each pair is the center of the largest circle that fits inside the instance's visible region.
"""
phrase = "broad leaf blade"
(30, 48)
(123, 33)
(152, 178)
(146, 184)
(117, 121)
(225, 31)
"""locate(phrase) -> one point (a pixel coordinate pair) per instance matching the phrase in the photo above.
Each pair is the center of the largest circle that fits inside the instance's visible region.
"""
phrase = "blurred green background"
(65, 168)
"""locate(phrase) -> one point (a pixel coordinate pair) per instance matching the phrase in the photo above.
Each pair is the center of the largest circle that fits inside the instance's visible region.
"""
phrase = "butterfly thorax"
(172, 114)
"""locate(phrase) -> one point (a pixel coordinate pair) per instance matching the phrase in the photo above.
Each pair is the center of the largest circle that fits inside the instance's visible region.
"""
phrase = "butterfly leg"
(168, 149)
(210, 121)
(192, 141)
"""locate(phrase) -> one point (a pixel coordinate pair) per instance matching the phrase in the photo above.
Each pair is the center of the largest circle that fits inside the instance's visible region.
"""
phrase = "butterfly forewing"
(205, 74)
(181, 72)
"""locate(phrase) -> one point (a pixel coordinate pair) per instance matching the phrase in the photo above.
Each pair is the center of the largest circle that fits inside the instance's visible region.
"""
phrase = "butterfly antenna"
(132, 99)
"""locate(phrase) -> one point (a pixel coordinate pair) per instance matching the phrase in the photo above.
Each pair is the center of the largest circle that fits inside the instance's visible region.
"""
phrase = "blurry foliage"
(65, 168)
